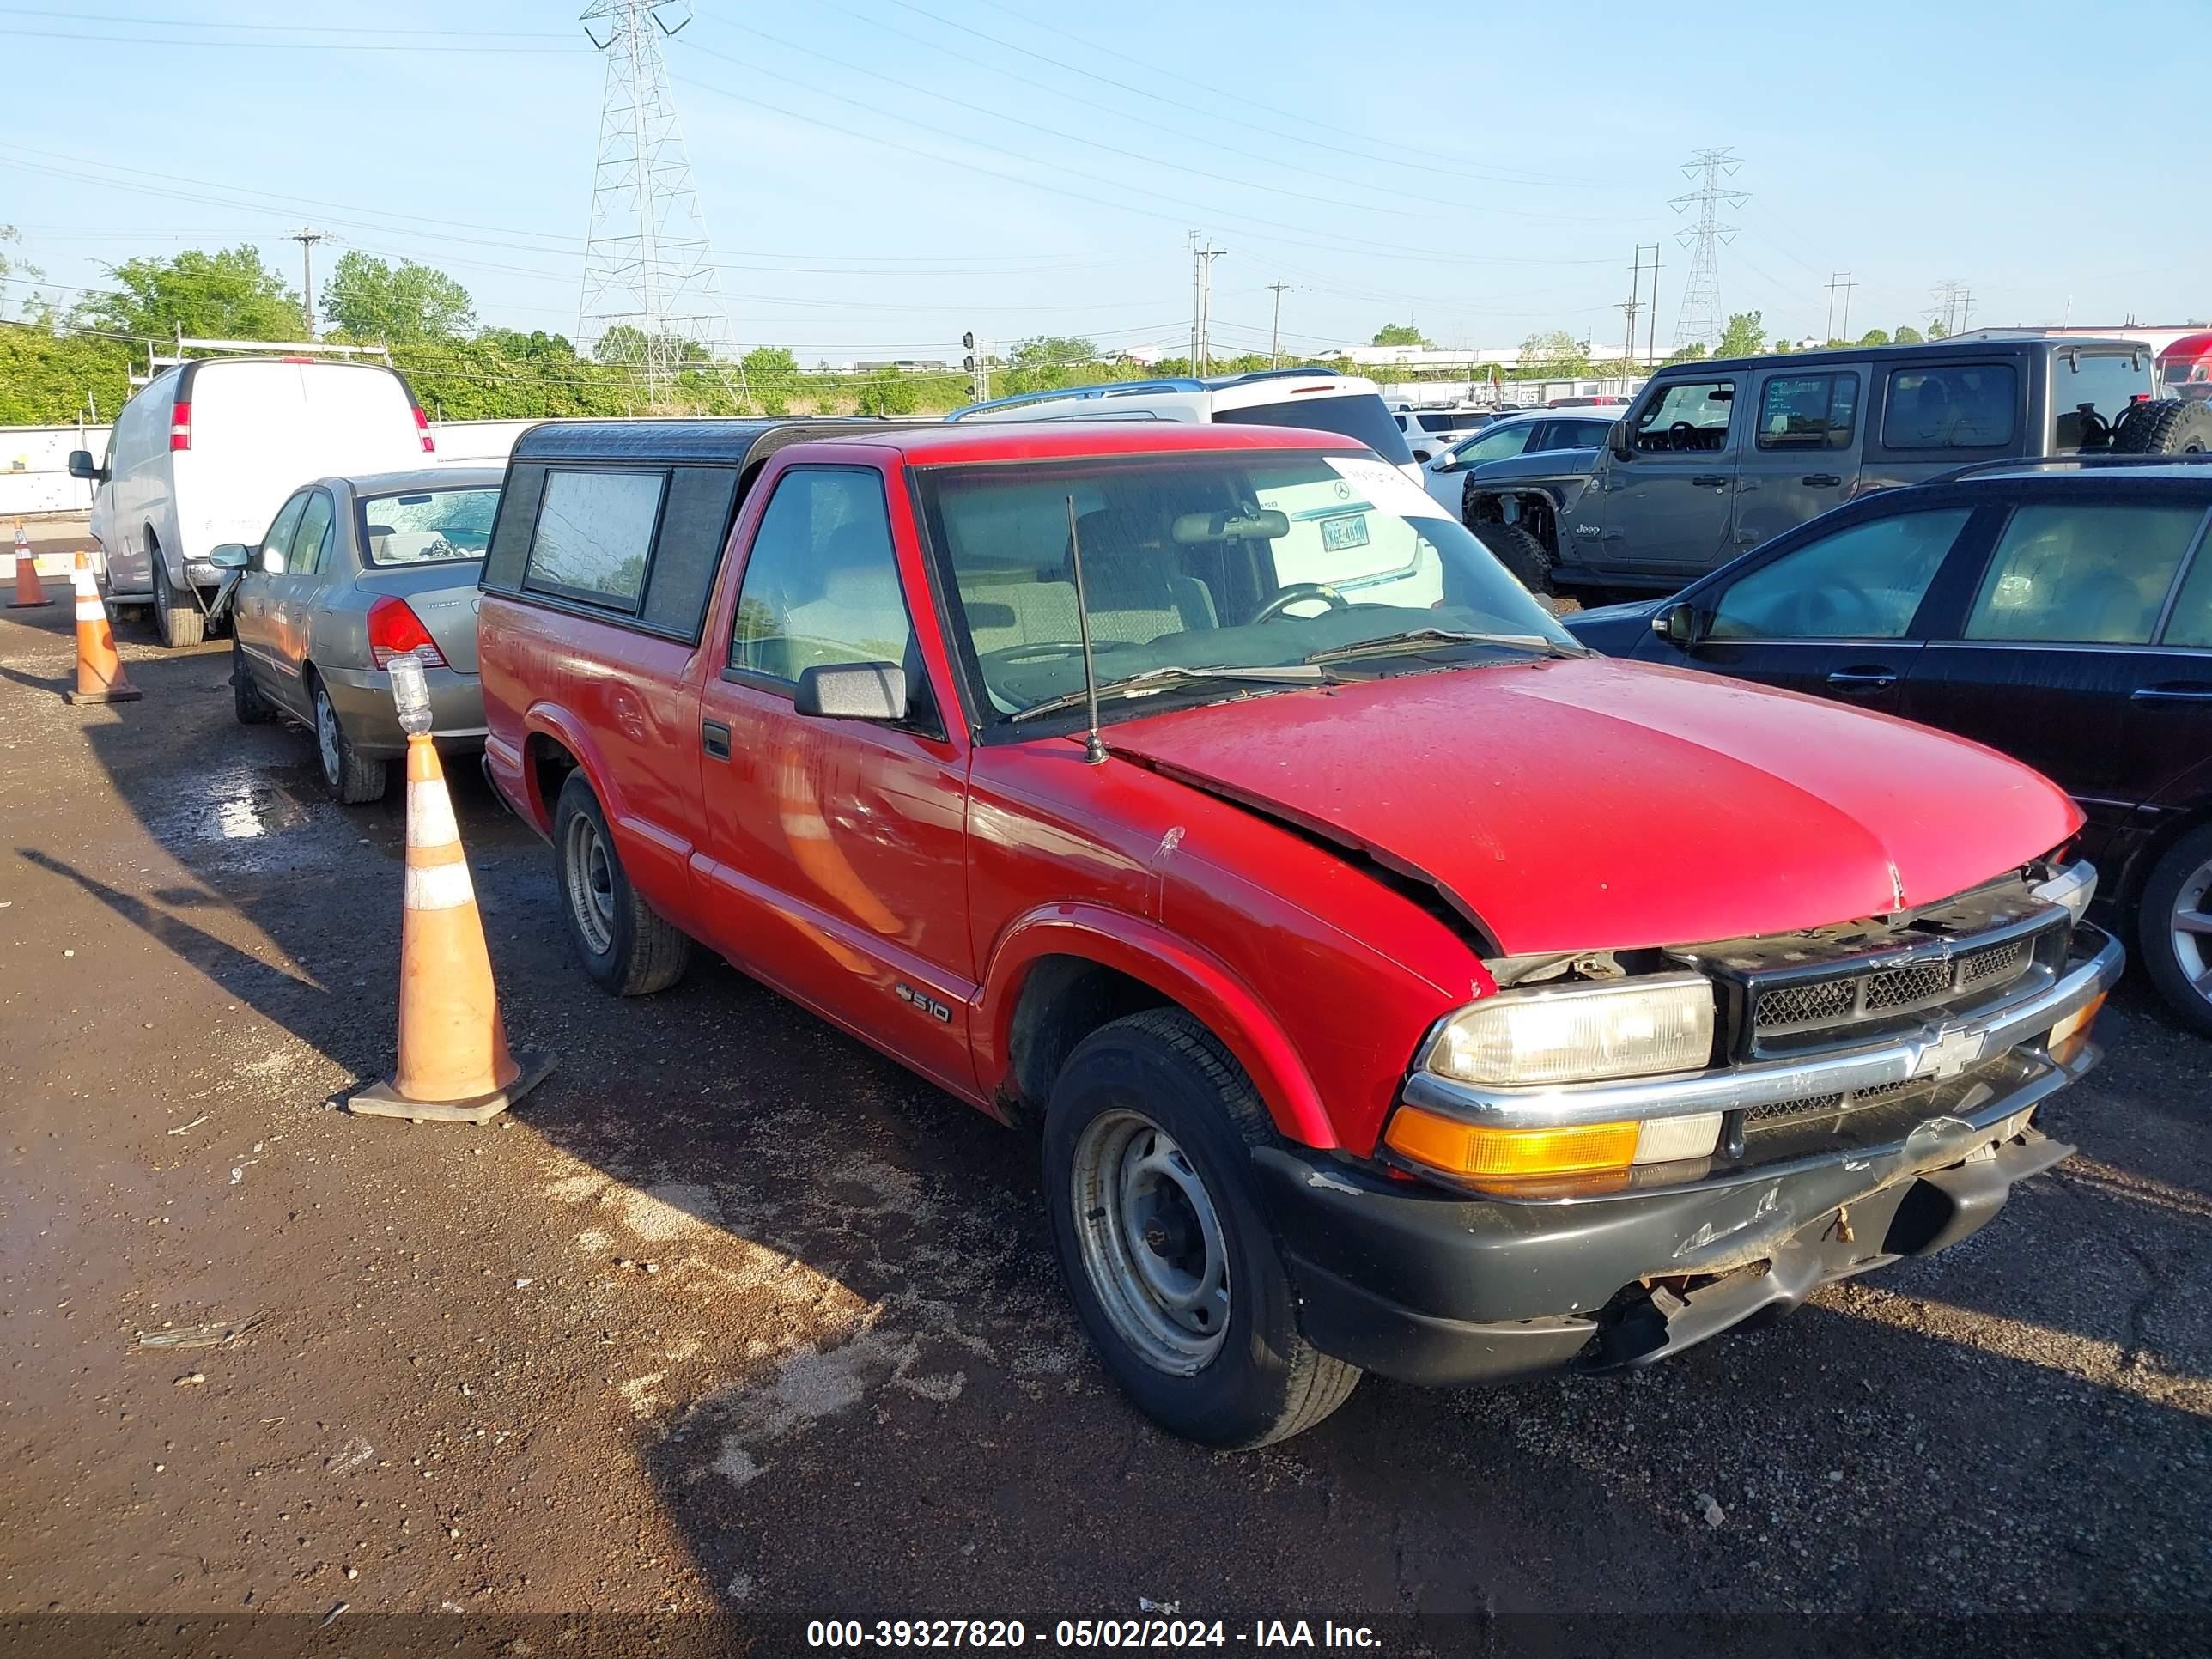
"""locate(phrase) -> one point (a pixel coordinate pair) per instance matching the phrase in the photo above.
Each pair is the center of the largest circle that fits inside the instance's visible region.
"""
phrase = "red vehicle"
(1393, 985)
(2185, 368)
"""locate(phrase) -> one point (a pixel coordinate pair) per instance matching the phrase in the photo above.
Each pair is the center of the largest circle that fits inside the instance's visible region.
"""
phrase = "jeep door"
(1802, 455)
(1834, 612)
(835, 862)
(1668, 508)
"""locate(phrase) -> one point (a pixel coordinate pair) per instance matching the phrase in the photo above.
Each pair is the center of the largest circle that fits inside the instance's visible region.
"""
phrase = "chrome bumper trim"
(1935, 1051)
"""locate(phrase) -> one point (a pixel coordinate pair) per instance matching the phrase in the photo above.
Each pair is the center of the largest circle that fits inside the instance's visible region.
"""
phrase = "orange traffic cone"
(100, 676)
(28, 589)
(454, 1066)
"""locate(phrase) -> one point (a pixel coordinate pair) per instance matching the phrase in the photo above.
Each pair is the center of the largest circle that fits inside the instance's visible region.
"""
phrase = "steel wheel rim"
(590, 880)
(1152, 1242)
(326, 737)
(2191, 923)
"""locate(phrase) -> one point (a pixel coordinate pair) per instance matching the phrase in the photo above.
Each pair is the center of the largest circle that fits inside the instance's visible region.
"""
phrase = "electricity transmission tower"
(1699, 321)
(648, 267)
(1954, 304)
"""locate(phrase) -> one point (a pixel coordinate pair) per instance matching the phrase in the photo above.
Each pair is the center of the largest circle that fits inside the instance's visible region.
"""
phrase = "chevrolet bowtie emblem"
(1949, 1054)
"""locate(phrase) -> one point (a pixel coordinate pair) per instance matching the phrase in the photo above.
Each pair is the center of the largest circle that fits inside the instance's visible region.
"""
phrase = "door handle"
(1709, 481)
(1862, 679)
(715, 739)
(2176, 692)
(1820, 480)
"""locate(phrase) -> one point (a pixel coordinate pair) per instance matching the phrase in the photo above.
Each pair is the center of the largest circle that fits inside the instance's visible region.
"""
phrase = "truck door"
(1802, 455)
(1669, 505)
(835, 850)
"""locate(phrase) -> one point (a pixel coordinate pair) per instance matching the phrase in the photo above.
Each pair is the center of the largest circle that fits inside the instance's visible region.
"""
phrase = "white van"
(1317, 399)
(207, 452)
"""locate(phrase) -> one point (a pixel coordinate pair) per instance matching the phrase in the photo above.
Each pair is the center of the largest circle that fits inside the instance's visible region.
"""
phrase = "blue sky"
(878, 175)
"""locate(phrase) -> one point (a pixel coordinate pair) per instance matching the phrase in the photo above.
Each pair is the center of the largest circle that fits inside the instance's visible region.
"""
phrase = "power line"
(106, 38)
(287, 28)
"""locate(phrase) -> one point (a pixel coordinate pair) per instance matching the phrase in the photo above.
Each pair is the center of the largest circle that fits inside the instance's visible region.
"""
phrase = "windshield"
(1258, 559)
(427, 527)
(1358, 415)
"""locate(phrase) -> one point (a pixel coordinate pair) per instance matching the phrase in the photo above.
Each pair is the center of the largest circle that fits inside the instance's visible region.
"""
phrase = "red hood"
(1596, 804)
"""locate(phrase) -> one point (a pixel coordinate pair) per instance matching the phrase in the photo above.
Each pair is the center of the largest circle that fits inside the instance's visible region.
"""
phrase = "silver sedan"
(351, 573)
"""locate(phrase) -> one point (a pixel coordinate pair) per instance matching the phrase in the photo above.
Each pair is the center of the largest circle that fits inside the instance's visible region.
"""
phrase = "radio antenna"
(1094, 748)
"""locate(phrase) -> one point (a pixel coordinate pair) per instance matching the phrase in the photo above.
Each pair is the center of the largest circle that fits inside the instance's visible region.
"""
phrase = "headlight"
(1576, 1033)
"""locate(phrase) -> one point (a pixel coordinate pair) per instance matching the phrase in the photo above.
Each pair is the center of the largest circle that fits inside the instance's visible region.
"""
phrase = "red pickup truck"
(1393, 985)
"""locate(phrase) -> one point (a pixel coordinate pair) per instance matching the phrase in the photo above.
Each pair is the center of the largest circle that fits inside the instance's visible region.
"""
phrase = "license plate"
(1337, 534)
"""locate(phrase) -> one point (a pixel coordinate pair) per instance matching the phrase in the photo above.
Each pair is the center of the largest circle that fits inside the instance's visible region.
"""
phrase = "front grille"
(1786, 995)
(1781, 1113)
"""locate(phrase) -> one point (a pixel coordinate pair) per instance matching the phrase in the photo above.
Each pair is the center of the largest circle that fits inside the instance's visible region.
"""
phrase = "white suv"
(1319, 400)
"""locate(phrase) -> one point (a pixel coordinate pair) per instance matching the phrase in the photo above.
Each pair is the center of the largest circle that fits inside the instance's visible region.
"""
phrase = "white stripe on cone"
(90, 611)
(82, 581)
(430, 817)
(438, 887)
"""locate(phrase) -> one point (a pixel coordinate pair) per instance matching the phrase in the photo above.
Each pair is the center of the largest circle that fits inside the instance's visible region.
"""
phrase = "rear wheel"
(1518, 549)
(628, 947)
(180, 625)
(246, 699)
(351, 781)
(2169, 426)
(2173, 928)
(1162, 1240)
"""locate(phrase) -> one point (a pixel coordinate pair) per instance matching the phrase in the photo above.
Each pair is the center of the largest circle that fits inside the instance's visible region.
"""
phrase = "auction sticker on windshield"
(1386, 487)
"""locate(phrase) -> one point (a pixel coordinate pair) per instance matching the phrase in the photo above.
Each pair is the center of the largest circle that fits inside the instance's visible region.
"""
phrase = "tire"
(1157, 1089)
(351, 781)
(626, 945)
(246, 699)
(1519, 551)
(180, 626)
(2179, 959)
(2167, 426)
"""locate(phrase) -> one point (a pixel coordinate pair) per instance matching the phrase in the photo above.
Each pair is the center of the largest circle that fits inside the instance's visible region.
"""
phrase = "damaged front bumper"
(1440, 1287)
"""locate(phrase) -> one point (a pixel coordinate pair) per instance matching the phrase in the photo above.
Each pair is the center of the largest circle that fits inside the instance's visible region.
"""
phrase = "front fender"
(1148, 953)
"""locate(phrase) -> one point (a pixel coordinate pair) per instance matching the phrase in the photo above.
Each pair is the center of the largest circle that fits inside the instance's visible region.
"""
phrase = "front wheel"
(2173, 927)
(1166, 1253)
(246, 699)
(1521, 551)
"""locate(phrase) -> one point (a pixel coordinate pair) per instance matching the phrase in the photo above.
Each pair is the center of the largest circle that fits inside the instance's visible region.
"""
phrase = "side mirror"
(1677, 625)
(81, 465)
(231, 555)
(1621, 441)
(852, 691)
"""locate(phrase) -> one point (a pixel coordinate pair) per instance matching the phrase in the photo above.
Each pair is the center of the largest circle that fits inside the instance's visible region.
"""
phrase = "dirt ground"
(733, 1316)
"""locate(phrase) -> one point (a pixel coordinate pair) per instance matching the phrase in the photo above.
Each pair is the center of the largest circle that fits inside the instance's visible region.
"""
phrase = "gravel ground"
(733, 1316)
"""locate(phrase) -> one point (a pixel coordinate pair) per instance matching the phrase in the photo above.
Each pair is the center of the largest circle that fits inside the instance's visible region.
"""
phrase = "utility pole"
(1201, 302)
(1701, 318)
(1840, 279)
(1634, 304)
(1651, 328)
(306, 239)
(1275, 334)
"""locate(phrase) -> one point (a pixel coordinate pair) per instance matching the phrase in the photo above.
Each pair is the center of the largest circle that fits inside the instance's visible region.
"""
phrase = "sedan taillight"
(393, 627)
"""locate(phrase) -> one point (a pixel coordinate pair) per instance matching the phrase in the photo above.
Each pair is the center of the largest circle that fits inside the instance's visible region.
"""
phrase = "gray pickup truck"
(1717, 456)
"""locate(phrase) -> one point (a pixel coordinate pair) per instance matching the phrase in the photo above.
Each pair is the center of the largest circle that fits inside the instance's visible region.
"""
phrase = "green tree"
(770, 365)
(1907, 336)
(1400, 334)
(229, 294)
(886, 392)
(1874, 337)
(1693, 352)
(1743, 337)
(1554, 353)
(397, 305)
(14, 268)
(1051, 351)
(1935, 329)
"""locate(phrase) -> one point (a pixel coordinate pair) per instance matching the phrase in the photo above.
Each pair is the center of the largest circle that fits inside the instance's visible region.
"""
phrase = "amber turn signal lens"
(2071, 1035)
(1468, 1149)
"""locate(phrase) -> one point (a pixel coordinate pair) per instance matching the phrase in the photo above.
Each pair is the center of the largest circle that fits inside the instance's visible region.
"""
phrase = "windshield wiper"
(1388, 644)
(1304, 673)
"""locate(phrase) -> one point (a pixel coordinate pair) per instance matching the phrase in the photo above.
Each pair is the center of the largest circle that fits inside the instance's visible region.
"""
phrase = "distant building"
(2157, 337)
